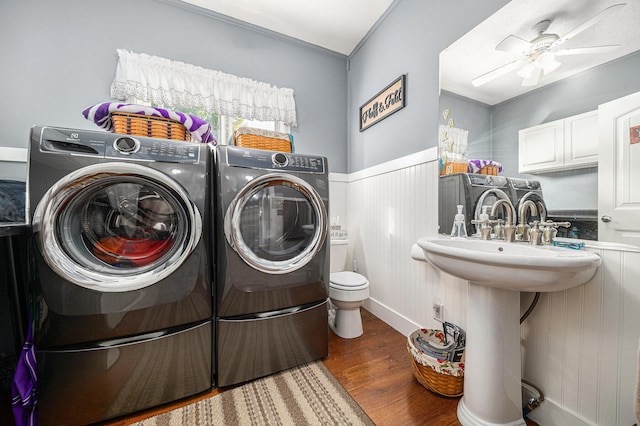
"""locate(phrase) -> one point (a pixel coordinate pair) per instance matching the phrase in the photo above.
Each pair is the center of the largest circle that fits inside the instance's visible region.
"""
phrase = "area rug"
(305, 395)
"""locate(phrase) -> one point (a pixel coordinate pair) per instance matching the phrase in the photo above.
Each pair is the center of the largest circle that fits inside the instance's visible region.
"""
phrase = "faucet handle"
(535, 234)
(485, 228)
(498, 229)
(556, 224)
(551, 230)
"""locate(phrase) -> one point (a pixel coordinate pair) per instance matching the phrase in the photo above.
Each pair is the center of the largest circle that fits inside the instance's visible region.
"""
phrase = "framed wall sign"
(389, 100)
(634, 134)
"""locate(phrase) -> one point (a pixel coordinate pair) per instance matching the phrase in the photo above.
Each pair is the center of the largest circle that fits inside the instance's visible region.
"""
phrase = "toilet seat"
(348, 281)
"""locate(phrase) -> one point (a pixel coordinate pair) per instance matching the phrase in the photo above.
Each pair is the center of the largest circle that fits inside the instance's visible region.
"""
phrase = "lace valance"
(176, 84)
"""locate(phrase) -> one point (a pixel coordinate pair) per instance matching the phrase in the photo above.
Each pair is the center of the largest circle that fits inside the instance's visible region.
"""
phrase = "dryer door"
(116, 226)
(277, 223)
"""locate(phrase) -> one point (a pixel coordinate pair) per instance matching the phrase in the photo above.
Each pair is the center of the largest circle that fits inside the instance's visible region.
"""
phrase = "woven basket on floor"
(152, 126)
(248, 137)
(444, 384)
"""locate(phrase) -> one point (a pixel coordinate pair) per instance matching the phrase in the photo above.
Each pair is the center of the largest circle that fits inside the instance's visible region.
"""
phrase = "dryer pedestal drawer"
(255, 347)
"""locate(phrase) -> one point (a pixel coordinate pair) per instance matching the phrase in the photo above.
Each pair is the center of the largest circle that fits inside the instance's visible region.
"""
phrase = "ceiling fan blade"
(526, 70)
(584, 50)
(605, 13)
(493, 74)
(532, 80)
(513, 44)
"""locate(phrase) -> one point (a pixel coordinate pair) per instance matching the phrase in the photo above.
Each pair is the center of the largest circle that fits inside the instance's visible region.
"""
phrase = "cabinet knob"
(606, 218)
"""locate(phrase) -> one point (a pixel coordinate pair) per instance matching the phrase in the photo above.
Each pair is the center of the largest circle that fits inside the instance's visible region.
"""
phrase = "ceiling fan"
(538, 56)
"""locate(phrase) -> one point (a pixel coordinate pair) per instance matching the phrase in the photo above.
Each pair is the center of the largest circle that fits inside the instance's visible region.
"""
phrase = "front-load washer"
(272, 268)
(473, 192)
(121, 292)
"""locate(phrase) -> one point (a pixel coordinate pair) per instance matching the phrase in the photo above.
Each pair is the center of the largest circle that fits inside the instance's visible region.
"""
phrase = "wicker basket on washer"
(442, 377)
(249, 137)
(145, 125)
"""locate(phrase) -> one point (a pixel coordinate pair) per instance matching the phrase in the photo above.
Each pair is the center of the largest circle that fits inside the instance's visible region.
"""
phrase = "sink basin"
(511, 266)
(497, 272)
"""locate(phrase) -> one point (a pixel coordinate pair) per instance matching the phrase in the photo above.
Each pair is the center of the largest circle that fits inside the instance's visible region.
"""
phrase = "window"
(224, 100)
(223, 126)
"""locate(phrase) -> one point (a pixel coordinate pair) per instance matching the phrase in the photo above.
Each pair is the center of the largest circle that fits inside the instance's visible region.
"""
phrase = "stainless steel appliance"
(122, 288)
(272, 267)
(521, 190)
(472, 191)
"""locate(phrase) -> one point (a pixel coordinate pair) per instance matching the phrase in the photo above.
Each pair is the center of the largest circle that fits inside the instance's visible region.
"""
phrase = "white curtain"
(174, 84)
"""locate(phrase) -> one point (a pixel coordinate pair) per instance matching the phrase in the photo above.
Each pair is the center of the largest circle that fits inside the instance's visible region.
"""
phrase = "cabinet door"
(581, 140)
(541, 148)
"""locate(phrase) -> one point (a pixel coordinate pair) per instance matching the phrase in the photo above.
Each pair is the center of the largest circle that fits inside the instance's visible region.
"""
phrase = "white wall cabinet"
(570, 143)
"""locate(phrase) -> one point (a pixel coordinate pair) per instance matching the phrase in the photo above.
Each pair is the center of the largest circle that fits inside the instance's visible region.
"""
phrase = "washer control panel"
(269, 160)
(112, 145)
(486, 180)
(152, 149)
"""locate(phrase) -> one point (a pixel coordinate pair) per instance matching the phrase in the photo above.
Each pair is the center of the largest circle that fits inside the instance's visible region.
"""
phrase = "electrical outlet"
(438, 312)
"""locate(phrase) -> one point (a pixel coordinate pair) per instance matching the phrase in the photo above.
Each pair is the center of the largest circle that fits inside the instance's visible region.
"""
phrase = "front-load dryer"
(521, 190)
(121, 295)
(272, 268)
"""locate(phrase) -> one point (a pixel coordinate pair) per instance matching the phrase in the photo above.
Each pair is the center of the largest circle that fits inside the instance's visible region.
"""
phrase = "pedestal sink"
(497, 272)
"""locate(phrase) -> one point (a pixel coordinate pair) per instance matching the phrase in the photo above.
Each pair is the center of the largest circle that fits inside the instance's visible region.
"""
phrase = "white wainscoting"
(13, 163)
(579, 346)
(389, 207)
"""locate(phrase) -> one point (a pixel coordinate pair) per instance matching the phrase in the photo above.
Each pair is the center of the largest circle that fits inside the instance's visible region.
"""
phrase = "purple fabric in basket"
(100, 114)
(24, 388)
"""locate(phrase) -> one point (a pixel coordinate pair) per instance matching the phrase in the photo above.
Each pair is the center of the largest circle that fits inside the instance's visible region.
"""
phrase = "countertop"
(574, 214)
(8, 229)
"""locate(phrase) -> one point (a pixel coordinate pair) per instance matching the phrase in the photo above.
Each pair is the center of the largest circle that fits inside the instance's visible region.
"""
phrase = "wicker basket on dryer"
(249, 137)
(152, 126)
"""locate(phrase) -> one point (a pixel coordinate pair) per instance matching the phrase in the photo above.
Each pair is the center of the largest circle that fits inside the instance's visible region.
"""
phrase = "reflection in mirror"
(498, 110)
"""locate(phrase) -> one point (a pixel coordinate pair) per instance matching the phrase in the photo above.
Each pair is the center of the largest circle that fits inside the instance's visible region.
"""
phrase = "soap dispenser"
(459, 230)
(484, 220)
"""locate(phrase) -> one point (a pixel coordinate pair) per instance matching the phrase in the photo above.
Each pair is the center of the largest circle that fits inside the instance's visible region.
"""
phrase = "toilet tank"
(338, 257)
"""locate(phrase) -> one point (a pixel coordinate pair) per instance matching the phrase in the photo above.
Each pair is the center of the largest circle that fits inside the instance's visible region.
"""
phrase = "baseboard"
(550, 414)
(396, 320)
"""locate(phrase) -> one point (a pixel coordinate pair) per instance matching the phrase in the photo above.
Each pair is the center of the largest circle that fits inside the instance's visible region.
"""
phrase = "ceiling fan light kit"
(538, 55)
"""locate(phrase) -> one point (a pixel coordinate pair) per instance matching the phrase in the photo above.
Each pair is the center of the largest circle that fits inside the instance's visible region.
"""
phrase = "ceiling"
(337, 25)
(474, 54)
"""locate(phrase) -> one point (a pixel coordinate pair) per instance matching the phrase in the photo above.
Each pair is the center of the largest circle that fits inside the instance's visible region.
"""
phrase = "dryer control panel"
(269, 160)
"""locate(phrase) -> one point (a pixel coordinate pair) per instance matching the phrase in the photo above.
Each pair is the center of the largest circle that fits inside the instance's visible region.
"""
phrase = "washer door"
(277, 223)
(116, 226)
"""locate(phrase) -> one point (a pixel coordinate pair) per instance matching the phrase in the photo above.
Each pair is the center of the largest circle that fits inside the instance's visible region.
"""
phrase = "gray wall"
(59, 57)
(473, 116)
(581, 93)
(408, 41)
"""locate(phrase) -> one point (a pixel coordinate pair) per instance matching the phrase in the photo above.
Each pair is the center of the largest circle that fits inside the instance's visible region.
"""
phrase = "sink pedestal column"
(492, 378)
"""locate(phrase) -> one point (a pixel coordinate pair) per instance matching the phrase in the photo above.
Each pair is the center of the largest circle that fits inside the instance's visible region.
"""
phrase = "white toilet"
(347, 291)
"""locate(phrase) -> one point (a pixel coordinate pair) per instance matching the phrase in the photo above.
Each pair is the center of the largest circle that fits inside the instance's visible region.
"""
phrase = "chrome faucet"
(507, 231)
(542, 211)
(522, 231)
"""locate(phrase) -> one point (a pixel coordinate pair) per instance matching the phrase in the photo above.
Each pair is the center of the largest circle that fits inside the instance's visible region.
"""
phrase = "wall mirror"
(511, 96)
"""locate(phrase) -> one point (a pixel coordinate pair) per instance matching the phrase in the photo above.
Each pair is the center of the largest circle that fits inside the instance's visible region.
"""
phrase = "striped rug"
(306, 395)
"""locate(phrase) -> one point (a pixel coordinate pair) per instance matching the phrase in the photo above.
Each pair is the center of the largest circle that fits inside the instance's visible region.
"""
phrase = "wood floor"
(376, 370)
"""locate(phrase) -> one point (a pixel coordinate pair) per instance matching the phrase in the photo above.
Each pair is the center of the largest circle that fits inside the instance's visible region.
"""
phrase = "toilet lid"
(347, 280)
